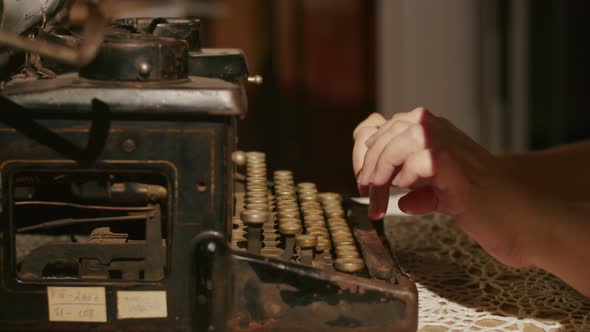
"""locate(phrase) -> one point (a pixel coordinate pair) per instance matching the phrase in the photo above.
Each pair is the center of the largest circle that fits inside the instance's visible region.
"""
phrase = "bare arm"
(562, 171)
(558, 242)
(518, 208)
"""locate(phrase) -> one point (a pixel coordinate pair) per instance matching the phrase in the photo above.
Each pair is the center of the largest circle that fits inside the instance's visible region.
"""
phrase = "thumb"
(419, 201)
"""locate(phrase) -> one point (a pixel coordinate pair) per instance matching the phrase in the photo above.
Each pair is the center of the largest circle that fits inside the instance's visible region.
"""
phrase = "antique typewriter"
(125, 205)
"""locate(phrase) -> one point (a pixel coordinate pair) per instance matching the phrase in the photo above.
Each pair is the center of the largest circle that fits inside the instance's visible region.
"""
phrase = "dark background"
(318, 62)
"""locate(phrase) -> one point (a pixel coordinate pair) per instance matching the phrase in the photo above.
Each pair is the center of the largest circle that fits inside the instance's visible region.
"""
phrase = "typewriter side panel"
(188, 158)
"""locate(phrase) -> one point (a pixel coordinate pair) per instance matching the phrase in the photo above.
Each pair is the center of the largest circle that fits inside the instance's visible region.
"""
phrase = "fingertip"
(378, 201)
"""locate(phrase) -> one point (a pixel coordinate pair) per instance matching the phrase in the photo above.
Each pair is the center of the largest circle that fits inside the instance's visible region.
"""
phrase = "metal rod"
(71, 221)
(87, 207)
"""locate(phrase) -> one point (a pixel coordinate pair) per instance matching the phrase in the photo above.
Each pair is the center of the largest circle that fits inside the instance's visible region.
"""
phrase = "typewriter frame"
(78, 125)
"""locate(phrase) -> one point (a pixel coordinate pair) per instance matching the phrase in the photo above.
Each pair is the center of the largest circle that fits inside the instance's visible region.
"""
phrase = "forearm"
(563, 172)
(559, 242)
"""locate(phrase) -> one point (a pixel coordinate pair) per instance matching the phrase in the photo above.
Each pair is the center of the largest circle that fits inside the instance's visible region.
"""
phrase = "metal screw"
(129, 145)
(144, 69)
(256, 79)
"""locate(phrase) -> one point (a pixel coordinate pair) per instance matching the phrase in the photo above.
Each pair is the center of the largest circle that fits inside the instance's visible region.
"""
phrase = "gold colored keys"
(293, 221)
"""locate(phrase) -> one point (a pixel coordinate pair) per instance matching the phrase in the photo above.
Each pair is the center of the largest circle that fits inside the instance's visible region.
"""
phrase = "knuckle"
(417, 133)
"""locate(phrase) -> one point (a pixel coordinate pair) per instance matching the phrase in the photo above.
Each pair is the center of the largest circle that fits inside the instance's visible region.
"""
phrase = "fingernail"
(372, 178)
(396, 179)
(363, 191)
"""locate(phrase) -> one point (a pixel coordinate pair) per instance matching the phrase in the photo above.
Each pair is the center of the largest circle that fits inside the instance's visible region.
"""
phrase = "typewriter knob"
(144, 69)
(256, 79)
(239, 158)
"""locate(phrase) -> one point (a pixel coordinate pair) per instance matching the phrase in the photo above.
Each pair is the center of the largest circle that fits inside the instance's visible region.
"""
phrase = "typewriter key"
(350, 265)
(324, 197)
(306, 243)
(258, 207)
(254, 220)
(239, 158)
(289, 230)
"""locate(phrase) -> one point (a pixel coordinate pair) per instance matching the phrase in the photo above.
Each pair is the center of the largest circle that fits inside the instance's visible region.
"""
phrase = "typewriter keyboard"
(295, 222)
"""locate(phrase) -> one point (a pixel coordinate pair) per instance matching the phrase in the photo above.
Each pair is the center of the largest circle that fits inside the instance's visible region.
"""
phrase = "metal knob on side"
(254, 219)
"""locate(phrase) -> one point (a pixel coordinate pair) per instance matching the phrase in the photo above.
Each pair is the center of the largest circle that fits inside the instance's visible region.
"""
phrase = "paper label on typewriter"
(77, 304)
(141, 304)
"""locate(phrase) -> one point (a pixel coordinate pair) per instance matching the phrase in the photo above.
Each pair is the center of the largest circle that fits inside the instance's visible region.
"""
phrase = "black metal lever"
(23, 121)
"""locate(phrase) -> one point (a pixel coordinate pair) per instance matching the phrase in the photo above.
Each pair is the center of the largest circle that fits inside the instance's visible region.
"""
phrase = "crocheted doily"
(462, 288)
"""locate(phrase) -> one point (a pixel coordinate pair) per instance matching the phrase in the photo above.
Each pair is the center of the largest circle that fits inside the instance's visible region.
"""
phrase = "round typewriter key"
(348, 254)
(316, 218)
(255, 171)
(286, 198)
(336, 219)
(317, 228)
(332, 206)
(341, 237)
(311, 205)
(306, 241)
(287, 207)
(254, 219)
(288, 214)
(257, 206)
(335, 226)
(239, 158)
(284, 192)
(350, 265)
(345, 247)
(290, 228)
(310, 224)
(254, 216)
(256, 200)
(343, 242)
(256, 186)
(257, 194)
(318, 234)
(322, 244)
(328, 196)
(307, 198)
(289, 220)
(255, 155)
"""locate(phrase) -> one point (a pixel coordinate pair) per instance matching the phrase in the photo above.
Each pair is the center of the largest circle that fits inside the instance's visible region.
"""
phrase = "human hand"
(445, 172)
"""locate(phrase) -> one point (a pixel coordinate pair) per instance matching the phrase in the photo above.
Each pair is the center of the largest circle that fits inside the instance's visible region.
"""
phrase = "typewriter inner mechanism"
(125, 205)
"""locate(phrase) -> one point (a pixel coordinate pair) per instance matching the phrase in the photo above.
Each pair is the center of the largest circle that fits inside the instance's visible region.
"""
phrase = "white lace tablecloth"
(461, 288)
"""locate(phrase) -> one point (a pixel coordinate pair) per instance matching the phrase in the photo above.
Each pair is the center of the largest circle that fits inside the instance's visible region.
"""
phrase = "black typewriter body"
(121, 206)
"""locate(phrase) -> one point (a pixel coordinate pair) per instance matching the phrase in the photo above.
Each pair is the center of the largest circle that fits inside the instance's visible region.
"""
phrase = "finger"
(396, 128)
(374, 120)
(414, 117)
(395, 154)
(360, 148)
(418, 166)
(378, 201)
(372, 157)
(376, 148)
(420, 201)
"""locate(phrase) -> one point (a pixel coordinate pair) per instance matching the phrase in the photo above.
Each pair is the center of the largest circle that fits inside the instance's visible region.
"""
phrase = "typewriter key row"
(293, 221)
